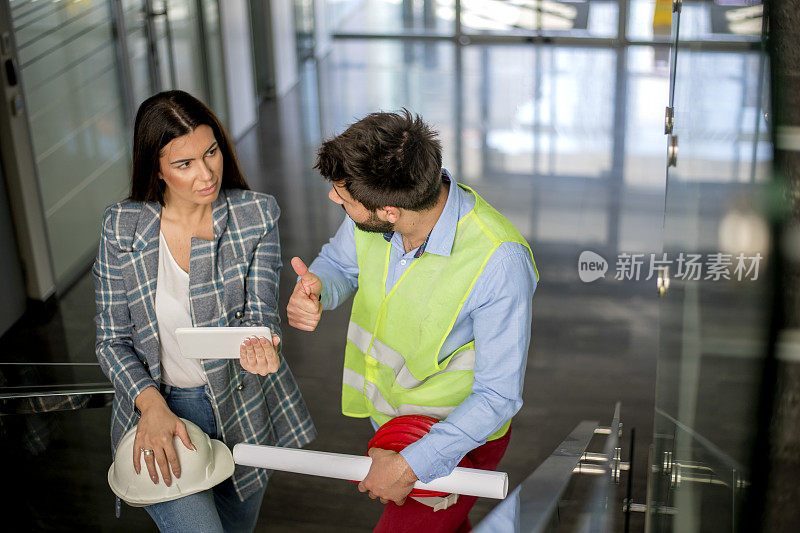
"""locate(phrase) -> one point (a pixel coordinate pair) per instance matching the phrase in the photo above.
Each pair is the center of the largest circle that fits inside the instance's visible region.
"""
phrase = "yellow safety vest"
(391, 363)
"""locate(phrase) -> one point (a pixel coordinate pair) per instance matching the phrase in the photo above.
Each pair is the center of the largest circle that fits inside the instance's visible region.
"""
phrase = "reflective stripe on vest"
(373, 394)
(393, 359)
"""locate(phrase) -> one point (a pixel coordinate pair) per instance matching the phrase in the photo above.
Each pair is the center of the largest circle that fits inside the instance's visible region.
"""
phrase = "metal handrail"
(47, 363)
(596, 518)
(531, 505)
(33, 400)
(95, 388)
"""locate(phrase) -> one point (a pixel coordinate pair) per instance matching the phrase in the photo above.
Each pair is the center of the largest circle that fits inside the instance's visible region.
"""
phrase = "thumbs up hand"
(304, 309)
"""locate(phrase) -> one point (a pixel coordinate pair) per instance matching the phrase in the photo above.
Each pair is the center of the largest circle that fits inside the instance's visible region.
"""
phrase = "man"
(441, 317)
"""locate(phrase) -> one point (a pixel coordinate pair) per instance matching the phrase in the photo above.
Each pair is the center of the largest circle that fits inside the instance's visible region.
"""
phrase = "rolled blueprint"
(464, 481)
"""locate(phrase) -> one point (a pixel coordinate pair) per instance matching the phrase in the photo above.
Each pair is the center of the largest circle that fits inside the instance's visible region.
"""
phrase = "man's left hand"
(389, 478)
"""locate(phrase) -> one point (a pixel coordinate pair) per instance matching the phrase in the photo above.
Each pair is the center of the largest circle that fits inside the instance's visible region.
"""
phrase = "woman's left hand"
(258, 356)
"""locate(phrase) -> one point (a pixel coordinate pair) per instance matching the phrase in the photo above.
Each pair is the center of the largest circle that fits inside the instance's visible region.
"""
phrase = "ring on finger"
(148, 452)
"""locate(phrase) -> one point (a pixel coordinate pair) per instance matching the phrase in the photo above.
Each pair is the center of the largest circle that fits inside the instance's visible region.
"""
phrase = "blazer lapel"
(145, 263)
(205, 285)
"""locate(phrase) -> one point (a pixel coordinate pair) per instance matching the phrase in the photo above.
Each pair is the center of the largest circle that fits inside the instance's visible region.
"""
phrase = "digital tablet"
(216, 343)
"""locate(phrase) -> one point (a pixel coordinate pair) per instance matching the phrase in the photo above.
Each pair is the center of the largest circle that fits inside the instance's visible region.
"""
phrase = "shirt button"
(239, 314)
(240, 386)
(403, 262)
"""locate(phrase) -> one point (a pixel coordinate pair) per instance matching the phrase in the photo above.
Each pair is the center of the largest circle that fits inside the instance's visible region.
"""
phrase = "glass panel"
(550, 17)
(721, 20)
(546, 111)
(391, 16)
(398, 75)
(724, 130)
(648, 91)
(649, 19)
(213, 47)
(729, 20)
(188, 50)
(138, 50)
(714, 316)
(76, 113)
(304, 28)
(185, 48)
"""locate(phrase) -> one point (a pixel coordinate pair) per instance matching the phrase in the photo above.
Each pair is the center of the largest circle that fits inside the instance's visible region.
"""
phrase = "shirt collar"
(440, 239)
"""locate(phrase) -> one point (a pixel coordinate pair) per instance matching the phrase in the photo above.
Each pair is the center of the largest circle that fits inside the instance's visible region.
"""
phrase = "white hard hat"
(210, 465)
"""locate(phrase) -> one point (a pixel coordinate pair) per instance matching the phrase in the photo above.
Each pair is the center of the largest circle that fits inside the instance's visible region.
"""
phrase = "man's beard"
(375, 225)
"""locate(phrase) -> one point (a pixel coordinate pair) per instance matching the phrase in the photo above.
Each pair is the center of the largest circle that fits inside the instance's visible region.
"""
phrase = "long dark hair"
(164, 117)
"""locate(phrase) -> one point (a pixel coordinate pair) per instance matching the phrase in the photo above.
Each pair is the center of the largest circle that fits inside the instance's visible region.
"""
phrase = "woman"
(192, 246)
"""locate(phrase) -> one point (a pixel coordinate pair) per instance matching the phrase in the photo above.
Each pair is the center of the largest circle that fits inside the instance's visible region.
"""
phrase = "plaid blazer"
(233, 281)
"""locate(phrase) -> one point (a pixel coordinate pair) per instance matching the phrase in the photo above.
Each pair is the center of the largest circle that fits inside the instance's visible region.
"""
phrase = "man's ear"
(389, 214)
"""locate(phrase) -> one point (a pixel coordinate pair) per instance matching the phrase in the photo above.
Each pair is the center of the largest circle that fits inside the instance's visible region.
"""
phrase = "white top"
(172, 311)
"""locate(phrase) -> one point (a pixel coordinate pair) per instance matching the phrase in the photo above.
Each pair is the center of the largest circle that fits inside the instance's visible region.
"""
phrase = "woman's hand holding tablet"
(255, 347)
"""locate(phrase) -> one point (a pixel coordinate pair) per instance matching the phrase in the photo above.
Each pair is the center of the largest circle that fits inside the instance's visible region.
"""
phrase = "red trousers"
(414, 517)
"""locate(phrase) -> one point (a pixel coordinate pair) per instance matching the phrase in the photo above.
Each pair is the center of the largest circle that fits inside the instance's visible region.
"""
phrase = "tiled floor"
(565, 141)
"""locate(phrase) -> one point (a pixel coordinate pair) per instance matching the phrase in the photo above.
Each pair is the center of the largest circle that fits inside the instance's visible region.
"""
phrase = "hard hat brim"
(223, 469)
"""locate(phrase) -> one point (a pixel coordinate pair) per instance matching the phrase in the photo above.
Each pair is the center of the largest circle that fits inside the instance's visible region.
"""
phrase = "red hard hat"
(401, 431)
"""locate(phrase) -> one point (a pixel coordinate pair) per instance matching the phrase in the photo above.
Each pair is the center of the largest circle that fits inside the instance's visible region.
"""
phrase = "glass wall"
(136, 37)
(390, 16)
(564, 125)
(67, 56)
(715, 310)
(729, 20)
(634, 20)
(85, 67)
(437, 17)
(531, 17)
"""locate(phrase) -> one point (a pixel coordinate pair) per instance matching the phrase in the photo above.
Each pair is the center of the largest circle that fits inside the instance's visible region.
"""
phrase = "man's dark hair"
(386, 159)
(166, 116)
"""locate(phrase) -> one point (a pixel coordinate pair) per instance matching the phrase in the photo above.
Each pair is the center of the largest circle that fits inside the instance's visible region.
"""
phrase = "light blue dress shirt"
(497, 314)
